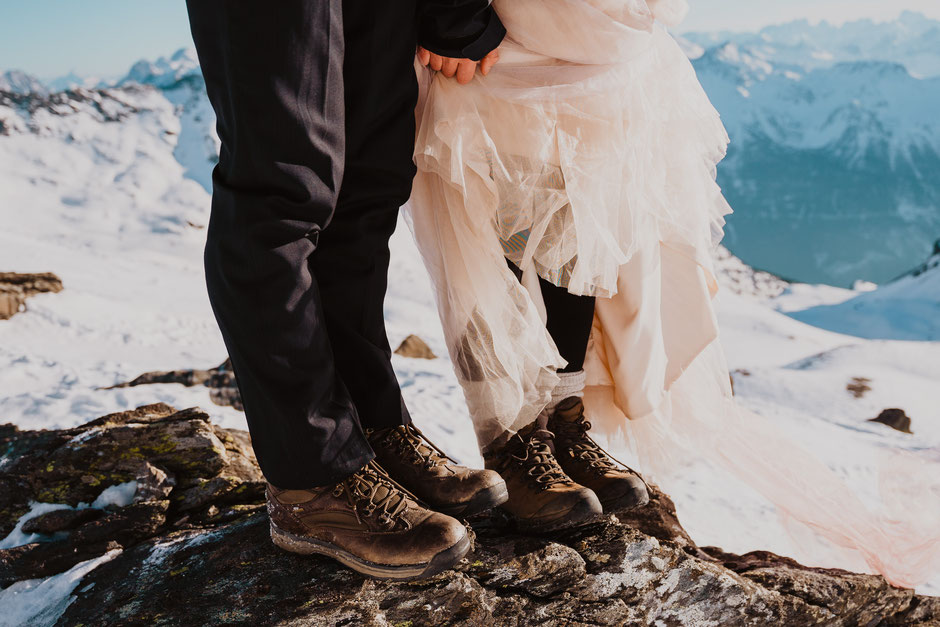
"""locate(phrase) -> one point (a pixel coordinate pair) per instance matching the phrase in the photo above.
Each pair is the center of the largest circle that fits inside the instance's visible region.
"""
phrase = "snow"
(112, 496)
(909, 40)
(108, 189)
(107, 206)
(164, 71)
(41, 602)
(17, 537)
(20, 83)
(119, 495)
(906, 309)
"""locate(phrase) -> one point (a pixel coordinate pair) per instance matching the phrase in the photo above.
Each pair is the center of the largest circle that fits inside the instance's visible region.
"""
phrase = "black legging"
(570, 318)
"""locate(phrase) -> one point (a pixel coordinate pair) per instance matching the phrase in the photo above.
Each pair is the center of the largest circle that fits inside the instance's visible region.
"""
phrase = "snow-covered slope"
(834, 163)
(179, 79)
(905, 309)
(90, 189)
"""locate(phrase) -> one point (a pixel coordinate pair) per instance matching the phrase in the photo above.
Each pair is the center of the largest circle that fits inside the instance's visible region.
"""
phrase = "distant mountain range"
(910, 40)
(834, 164)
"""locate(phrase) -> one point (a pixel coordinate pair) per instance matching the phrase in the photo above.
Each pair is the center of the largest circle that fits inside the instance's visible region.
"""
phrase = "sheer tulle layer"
(574, 172)
(587, 157)
(586, 169)
(698, 420)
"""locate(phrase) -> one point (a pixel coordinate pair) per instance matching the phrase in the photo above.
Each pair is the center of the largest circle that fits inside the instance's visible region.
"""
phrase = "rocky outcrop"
(740, 278)
(895, 418)
(194, 549)
(416, 348)
(15, 288)
(223, 390)
(858, 386)
(185, 469)
(932, 262)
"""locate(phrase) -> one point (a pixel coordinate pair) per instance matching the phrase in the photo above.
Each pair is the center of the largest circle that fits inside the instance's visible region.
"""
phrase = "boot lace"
(534, 455)
(581, 446)
(415, 448)
(371, 492)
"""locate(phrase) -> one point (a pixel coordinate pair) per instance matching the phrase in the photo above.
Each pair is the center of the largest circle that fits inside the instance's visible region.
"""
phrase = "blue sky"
(104, 38)
(49, 38)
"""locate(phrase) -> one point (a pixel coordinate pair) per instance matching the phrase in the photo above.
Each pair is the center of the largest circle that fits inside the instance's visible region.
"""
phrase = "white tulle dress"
(587, 157)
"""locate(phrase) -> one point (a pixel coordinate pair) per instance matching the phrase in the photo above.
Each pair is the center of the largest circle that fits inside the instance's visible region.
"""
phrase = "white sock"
(570, 384)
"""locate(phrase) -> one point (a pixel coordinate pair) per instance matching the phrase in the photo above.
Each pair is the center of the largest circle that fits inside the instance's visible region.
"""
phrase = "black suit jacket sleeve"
(459, 28)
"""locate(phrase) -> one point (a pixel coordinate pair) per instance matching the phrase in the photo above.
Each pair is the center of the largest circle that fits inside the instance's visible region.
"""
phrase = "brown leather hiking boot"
(425, 471)
(368, 523)
(541, 496)
(619, 489)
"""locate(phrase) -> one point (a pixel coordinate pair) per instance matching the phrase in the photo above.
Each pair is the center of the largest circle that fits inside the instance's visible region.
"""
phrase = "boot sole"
(308, 546)
(583, 513)
(483, 500)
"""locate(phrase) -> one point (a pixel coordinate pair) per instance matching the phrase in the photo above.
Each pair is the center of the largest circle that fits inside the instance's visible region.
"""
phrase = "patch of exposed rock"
(858, 386)
(740, 278)
(416, 348)
(223, 390)
(102, 105)
(15, 288)
(195, 550)
(895, 418)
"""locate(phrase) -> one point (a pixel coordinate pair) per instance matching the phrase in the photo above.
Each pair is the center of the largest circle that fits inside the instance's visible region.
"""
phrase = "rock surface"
(895, 418)
(15, 288)
(223, 390)
(416, 348)
(195, 550)
(740, 278)
(859, 386)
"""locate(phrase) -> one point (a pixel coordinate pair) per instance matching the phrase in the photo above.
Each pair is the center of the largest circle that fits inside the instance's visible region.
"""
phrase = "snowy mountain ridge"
(17, 82)
(164, 72)
(910, 40)
(815, 108)
(834, 164)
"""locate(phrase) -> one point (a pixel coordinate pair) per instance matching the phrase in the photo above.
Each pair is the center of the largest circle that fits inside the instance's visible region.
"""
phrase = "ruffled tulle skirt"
(587, 157)
(601, 180)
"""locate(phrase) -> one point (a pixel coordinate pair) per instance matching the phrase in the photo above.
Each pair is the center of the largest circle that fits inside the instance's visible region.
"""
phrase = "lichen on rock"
(196, 551)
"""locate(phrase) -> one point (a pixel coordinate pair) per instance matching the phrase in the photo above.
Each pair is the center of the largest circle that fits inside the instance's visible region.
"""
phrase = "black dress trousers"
(315, 105)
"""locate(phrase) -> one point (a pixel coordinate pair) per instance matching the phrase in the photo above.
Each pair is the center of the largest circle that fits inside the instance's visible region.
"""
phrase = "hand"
(463, 69)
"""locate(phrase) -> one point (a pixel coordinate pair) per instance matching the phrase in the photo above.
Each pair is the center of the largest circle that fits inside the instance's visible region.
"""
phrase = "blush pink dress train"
(587, 156)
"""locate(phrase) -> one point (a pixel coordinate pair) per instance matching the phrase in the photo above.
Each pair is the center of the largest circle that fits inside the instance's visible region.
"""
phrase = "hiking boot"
(619, 488)
(541, 496)
(425, 471)
(368, 523)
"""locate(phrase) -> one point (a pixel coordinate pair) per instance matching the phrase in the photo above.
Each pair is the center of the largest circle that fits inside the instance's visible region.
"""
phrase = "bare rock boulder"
(15, 288)
(895, 418)
(416, 348)
(192, 547)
